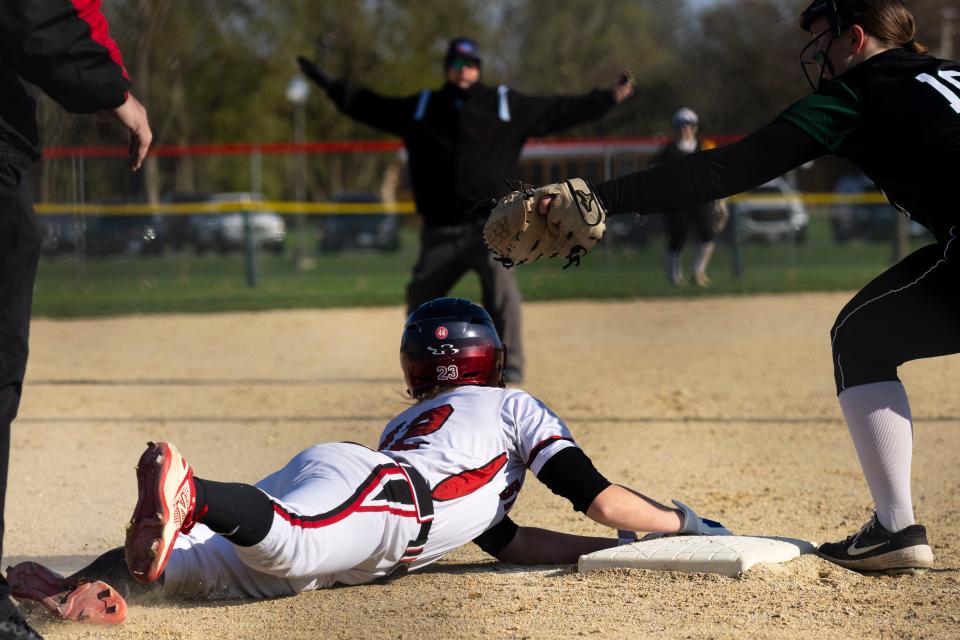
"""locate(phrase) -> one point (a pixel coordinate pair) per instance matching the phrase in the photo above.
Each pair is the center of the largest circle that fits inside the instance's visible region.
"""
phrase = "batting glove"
(694, 525)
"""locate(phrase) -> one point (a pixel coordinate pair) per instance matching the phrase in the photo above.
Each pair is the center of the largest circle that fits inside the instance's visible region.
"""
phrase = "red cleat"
(165, 506)
(93, 602)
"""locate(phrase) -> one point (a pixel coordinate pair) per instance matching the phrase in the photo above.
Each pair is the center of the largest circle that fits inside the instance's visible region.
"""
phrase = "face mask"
(820, 59)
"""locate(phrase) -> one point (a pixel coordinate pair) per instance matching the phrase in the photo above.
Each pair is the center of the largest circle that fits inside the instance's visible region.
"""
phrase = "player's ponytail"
(890, 21)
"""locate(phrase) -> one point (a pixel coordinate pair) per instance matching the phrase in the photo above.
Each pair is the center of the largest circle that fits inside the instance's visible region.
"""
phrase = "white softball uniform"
(447, 470)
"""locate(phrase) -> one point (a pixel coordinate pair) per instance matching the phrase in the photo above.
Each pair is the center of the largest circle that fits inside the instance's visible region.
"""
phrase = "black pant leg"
(501, 297)
(19, 254)
(700, 220)
(439, 266)
(677, 223)
(908, 312)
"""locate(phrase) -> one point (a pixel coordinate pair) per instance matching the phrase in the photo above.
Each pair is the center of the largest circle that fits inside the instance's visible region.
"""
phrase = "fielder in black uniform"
(463, 140)
(894, 111)
(62, 47)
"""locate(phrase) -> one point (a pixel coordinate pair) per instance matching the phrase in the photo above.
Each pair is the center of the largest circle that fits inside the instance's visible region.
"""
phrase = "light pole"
(949, 16)
(298, 90)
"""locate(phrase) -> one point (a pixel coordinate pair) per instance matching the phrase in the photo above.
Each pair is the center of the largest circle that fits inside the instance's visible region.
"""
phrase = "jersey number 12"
(944, 90)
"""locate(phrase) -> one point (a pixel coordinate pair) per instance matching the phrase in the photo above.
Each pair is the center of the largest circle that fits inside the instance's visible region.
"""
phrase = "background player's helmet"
(450, 342)
(684, 116)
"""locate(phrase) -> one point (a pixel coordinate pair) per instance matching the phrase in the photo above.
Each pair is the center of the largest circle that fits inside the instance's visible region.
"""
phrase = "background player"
(447, 471)
(463, 140)
(679, 223)
(64, 49)
(894, 111)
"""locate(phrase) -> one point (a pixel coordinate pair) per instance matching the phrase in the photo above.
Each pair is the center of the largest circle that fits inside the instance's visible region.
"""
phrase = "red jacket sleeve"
(64, 48)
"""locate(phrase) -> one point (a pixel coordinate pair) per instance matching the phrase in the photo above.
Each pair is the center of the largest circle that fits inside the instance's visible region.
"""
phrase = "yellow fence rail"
(356, 208)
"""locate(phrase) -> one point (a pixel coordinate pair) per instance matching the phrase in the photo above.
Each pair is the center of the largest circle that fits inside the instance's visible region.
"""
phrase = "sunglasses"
(463, 63)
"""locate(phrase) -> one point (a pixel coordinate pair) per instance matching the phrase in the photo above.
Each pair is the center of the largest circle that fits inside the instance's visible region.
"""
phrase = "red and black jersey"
(64, 48)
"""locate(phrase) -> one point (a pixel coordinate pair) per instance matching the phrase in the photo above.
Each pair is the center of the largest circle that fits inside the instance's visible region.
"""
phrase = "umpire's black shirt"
(463, 143)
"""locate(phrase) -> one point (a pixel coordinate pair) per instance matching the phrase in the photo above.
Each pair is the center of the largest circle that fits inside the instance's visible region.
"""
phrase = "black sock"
(241, 513)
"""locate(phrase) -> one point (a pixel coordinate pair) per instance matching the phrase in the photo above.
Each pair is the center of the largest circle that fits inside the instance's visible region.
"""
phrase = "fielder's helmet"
(839, 13)
(450, 342)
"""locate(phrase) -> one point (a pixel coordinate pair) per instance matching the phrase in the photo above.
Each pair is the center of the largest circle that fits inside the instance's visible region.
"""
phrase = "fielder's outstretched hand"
(315, 73)
(564, 219)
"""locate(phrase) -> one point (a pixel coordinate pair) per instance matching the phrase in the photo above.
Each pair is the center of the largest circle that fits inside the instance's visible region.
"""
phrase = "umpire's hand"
(623, 87)
(314, 72)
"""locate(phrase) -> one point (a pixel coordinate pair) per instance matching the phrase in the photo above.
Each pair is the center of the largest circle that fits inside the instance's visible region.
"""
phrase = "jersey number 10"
(944, 90)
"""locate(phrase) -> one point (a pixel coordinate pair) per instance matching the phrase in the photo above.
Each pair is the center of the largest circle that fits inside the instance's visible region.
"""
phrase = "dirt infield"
(725, 403)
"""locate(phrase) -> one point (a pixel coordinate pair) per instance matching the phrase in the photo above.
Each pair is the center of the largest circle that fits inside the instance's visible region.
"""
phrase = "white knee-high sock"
(878, 416)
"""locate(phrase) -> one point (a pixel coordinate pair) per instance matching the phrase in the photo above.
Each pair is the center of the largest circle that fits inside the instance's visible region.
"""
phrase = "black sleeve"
(541, 115)
(63, 47)
(698, 178)
(571, 474)
(496, 538)
(391, 114)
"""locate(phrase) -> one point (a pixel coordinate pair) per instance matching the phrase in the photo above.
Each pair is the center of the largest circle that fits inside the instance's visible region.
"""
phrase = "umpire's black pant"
(19, 253)
(446, 253)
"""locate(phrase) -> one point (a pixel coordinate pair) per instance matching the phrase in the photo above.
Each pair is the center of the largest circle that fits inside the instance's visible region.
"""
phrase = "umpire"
(463, 139)
(62, 47)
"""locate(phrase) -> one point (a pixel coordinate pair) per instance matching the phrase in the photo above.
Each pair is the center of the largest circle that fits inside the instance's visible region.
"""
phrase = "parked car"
(123, 234)
(629, 230)
(776, 215)
(60, 234)
(224, 232)
(864, 220)
(378, 230)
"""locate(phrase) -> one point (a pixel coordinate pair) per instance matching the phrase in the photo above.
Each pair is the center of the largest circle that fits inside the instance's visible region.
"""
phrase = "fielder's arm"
(711, 174)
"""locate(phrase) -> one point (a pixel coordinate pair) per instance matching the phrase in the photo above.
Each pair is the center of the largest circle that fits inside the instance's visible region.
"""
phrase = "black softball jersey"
(895, 115)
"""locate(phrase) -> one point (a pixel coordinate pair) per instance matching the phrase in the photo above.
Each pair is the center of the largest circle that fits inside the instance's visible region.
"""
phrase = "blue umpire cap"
(462, 48)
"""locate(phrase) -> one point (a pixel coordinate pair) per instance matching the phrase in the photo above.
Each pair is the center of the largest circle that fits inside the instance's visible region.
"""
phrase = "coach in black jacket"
(463, 140)
(62, 47)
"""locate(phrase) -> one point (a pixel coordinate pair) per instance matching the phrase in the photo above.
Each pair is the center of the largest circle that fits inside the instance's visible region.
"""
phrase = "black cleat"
(873, 549)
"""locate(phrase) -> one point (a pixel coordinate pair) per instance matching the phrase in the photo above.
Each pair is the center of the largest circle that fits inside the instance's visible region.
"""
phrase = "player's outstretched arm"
(622, 508)
(531, 545)
(627, 510)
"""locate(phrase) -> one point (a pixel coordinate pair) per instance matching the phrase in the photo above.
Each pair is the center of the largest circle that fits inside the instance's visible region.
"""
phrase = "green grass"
(67, 287)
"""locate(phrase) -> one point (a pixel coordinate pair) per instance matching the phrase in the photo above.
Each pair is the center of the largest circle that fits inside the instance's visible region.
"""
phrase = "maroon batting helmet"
(450, 342)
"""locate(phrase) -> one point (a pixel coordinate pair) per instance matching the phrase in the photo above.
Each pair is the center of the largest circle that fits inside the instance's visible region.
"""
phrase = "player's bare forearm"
(541, 546)
(622, 508)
